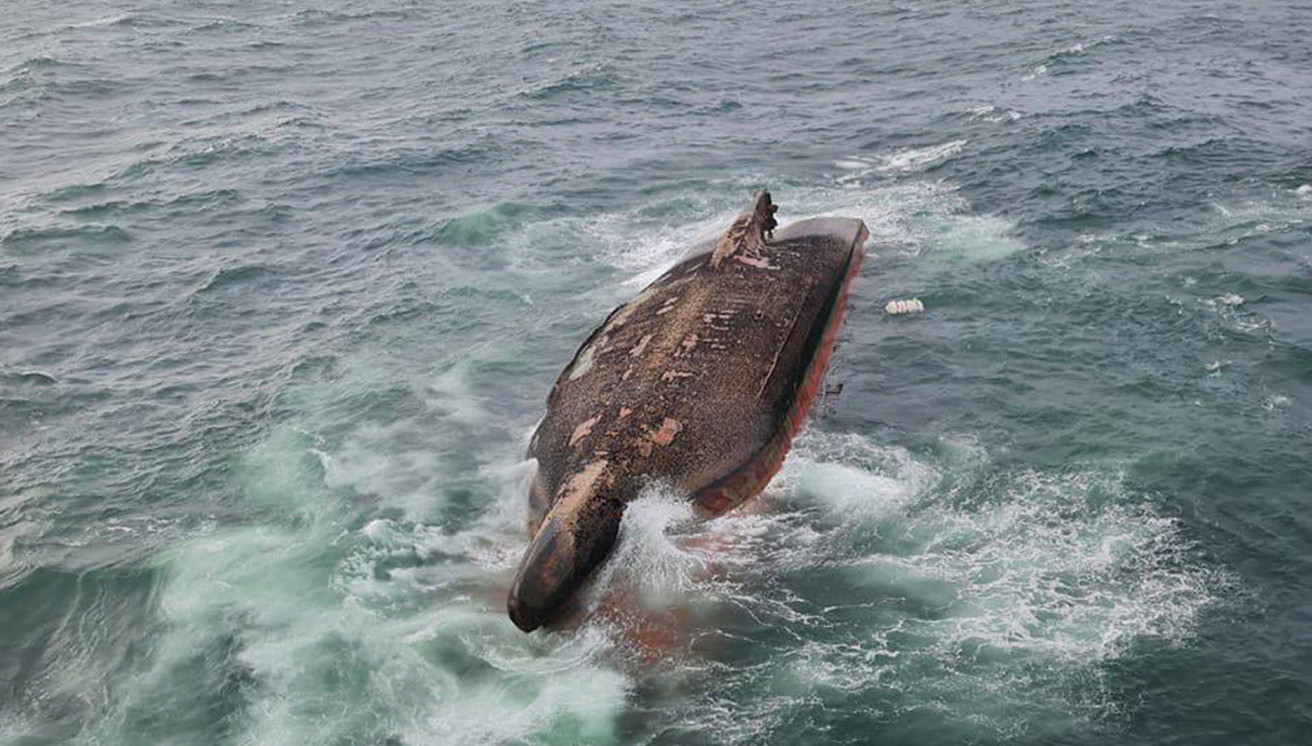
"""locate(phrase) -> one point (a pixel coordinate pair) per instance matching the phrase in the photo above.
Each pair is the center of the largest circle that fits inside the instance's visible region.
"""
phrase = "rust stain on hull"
(700, 381)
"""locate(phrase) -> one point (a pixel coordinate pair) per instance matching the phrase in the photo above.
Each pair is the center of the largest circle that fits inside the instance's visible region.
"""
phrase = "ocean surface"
(284, 285)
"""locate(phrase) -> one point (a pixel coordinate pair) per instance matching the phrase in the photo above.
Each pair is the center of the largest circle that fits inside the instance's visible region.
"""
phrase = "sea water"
(283, 288)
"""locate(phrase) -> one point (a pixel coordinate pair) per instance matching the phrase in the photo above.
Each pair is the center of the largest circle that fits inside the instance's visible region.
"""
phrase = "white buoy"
(899, 307)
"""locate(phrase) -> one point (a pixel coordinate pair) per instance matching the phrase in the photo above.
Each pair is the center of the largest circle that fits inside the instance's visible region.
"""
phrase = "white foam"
(14, 525)
(393, 629)
(854, 164)
(622, 240)
(1082, 47)
(993, 114)
(955, 590)
(1252, 215)
(1232, 311)
(926, 220)
(647, 556)
(852, 477)
(928, 217)
(94, 22)
(904, 161)
(1275, 401)
(915, 159)
(949, 582)
(566, 706)
(385, 463)
(510, 483)
(973, 237)
(14, 728)
(651, 250)
(1054, 569)
(1038, 72)
(452, 392)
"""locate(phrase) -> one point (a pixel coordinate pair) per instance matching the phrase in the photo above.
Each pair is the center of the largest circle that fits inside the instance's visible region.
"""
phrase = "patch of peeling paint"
(664, 435)
(758, 262)
(583, 363)
(583, 430)
(578, 489)
(622, 316)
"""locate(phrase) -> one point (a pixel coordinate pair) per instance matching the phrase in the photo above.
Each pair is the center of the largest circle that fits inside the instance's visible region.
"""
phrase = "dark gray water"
(283, 288)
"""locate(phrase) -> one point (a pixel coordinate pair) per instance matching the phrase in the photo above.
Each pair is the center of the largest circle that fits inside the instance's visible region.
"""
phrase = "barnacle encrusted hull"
(701, 382)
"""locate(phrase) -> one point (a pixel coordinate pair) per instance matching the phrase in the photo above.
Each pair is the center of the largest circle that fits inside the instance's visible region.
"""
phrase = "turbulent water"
(283, 288)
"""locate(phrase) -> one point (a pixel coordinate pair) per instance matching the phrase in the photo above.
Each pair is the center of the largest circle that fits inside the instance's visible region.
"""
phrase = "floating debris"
(898, 307)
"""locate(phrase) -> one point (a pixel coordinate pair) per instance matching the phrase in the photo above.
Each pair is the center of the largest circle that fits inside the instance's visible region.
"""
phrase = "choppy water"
(283, 288)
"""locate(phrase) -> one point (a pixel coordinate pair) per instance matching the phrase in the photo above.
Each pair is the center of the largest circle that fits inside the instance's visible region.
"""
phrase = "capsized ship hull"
(701, 382)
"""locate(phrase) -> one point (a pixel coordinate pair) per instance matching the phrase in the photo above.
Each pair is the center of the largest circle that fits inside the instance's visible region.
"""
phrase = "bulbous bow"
(574, 538)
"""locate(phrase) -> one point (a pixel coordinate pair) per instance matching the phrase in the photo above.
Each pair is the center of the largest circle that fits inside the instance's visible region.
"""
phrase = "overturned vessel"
(701, 382)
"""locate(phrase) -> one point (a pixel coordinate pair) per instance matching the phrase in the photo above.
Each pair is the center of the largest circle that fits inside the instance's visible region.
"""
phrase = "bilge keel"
(701, 382)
